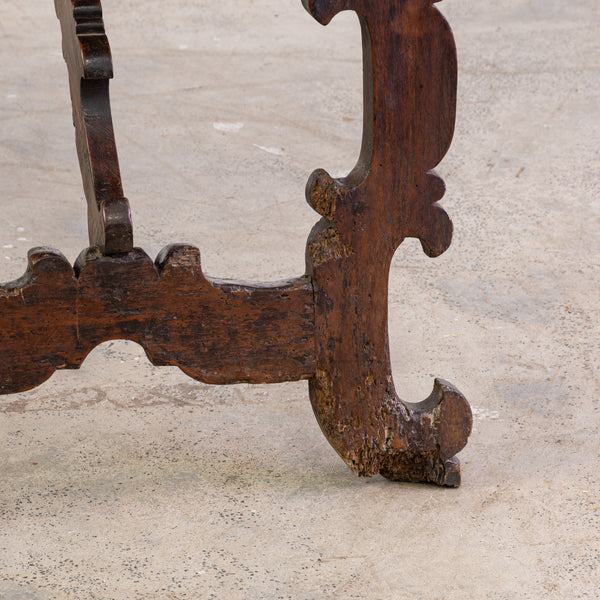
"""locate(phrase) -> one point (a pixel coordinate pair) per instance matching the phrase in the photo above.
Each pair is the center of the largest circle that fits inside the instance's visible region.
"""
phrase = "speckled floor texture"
(123, 481)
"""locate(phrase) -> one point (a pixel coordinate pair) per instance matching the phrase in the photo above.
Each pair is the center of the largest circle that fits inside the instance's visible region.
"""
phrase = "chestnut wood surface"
(330, 326)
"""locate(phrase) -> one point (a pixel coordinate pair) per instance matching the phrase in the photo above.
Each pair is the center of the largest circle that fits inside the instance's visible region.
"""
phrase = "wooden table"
(329, 326)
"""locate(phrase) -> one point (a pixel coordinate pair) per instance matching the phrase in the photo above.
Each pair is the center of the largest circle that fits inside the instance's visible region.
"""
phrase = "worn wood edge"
(216, 331)
(358, 410)
(425, 464)
(447, 412)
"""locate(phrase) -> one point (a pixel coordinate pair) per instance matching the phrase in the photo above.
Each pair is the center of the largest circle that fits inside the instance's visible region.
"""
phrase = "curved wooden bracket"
(330, 326)
(409, 111)
(87, 54)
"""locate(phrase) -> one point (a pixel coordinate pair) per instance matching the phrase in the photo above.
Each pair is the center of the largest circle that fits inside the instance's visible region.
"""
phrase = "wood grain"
(216, 331)
(330, 326)
(409, 110)
(89, 63)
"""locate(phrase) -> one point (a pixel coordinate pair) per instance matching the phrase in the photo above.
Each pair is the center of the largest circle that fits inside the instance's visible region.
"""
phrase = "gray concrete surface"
(123, 481)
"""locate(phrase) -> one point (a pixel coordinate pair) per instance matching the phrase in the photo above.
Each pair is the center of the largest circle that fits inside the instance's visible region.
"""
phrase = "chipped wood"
(329, 326)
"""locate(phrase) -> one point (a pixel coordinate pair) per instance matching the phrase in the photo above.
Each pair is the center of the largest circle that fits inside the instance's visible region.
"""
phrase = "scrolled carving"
(392, 193)
(329, 326)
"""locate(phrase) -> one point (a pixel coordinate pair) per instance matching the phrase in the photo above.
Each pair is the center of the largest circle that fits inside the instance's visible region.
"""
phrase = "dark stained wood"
(216, 331)
(409, 111)
(37, 321)
(330, 326)
(87, 54)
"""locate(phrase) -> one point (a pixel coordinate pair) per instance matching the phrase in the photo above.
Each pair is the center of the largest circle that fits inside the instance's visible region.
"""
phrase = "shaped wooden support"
(89, 63)
(330, 326)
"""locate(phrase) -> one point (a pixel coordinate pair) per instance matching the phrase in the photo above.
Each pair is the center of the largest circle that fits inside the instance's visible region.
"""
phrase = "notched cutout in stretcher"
(329, 326)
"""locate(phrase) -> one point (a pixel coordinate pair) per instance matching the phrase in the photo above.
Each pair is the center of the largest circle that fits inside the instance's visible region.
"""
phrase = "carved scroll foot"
(442, 425)
(401, 441)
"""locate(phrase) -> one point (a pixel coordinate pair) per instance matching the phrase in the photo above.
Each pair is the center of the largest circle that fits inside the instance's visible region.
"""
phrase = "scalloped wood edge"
(330, 326)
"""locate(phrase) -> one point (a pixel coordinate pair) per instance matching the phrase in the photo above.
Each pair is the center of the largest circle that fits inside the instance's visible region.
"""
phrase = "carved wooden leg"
(330, 326)
(89, 62)
(409, 110)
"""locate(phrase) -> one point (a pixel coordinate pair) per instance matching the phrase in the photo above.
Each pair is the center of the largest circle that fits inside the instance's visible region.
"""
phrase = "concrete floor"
(126, 481)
